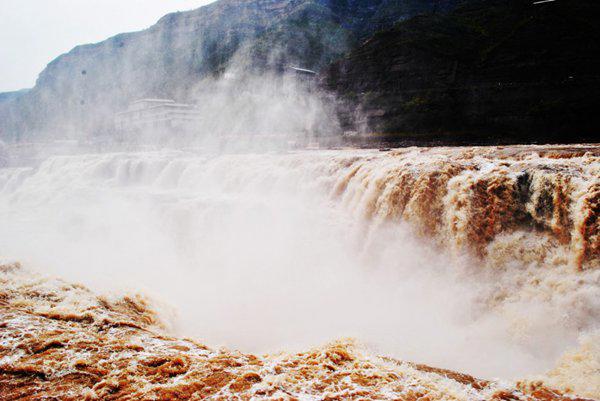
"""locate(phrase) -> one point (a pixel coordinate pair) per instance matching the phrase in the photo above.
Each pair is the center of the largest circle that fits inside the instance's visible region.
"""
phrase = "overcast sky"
(34, 32)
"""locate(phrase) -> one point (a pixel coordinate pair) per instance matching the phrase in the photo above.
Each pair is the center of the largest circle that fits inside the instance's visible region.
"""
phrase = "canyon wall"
(78, 93)
(489, 72)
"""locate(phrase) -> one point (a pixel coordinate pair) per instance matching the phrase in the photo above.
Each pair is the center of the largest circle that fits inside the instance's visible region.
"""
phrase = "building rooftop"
(153, 101)
(303, 70)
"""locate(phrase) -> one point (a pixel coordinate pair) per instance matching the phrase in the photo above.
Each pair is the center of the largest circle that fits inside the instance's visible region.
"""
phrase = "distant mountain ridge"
(6, 96)
(80, 91)
(414, 71)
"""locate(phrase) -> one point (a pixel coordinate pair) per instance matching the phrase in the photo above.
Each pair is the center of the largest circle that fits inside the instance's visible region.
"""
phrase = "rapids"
(483, 260)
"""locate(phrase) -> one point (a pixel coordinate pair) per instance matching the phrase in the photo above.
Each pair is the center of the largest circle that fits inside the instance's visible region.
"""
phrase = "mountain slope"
(80, 91)
(499, 70)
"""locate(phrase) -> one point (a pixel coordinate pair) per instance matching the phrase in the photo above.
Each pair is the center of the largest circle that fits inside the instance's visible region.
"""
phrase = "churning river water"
(482, 260)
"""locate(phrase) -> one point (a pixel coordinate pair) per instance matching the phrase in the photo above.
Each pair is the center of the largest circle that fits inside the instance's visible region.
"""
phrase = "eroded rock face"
(61, 341)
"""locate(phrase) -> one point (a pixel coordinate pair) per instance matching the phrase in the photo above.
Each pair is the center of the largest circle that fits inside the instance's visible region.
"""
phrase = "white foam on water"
(270, 252)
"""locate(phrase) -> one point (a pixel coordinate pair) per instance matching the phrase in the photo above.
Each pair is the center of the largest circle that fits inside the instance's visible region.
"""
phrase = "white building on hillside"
(158, 114)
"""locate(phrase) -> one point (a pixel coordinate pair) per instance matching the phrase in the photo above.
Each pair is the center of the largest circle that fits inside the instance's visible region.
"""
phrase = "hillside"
(81, 90)
(490, 71)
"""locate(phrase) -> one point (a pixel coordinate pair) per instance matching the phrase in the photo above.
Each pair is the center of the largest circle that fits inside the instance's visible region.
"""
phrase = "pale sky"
(34, 32)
